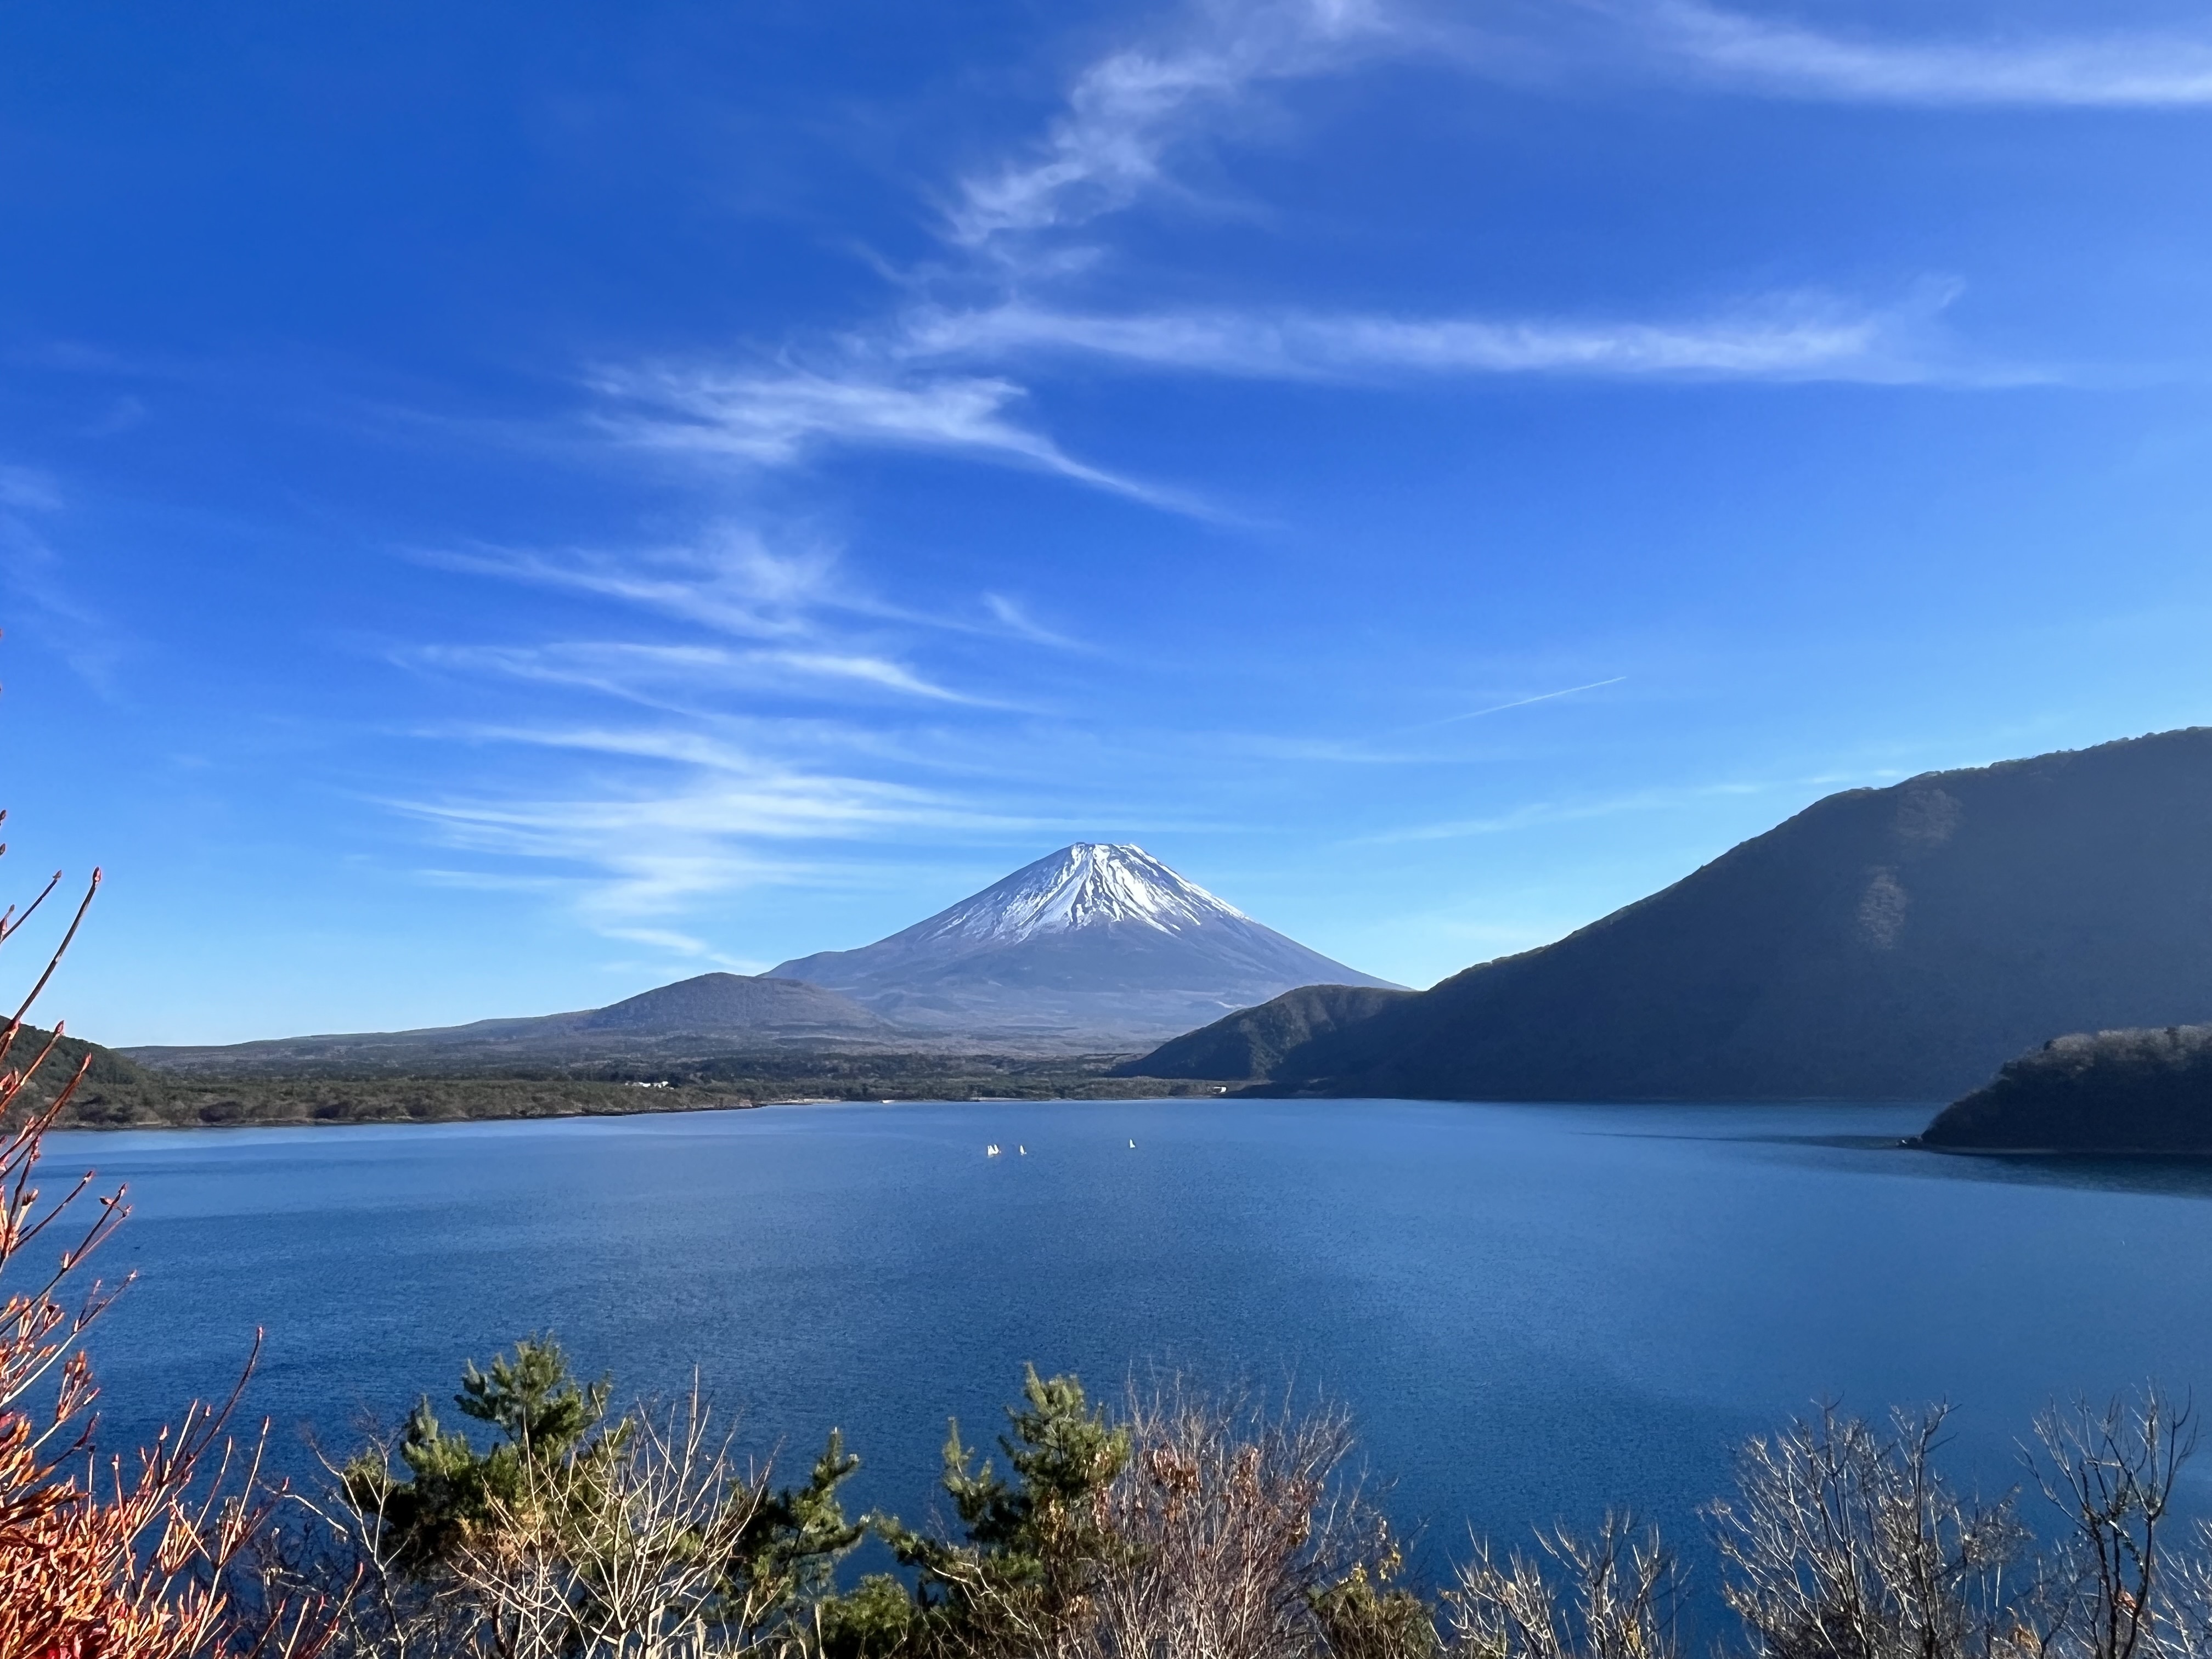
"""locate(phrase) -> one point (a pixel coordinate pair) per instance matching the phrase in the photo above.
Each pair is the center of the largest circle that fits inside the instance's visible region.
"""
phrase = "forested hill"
(2103, 1091)
(1883, 943)
(109, 1073)
(1253, 1041)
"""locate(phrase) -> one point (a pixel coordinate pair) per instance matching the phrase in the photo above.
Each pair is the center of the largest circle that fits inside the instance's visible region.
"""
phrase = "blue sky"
(502, 505)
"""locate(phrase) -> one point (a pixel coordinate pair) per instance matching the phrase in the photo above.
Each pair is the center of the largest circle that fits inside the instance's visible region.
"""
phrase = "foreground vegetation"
(1186, 1527)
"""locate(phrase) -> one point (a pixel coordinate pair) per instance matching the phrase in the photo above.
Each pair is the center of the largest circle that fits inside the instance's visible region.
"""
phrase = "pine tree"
(451, 1492)
(785, 1563)
(1032, 1548)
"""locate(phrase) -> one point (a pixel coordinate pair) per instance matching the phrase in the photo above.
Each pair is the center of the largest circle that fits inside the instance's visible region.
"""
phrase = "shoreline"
(653, 1105)
(1915, 1143)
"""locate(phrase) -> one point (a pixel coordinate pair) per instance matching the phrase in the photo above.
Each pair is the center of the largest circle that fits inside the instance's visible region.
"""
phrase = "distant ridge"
(1094, 948)
(1884, 944)
(712, 1005)
(730, 1010)
(1096, 939)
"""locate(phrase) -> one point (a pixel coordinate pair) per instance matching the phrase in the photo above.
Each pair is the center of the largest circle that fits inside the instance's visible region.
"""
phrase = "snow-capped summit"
(1081, 886)
(1098, 939)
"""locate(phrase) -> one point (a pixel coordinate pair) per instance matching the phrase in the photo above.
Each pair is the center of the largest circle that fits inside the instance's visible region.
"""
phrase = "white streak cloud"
(1128, 109)
(30, 489)
(2105, 70)
(1523, 702)
(1539, 813)
(1113, 146)
(647, 672)
(1009, 614)
(729, 580)
(773, 418)
(1795, 337)
(651, 848)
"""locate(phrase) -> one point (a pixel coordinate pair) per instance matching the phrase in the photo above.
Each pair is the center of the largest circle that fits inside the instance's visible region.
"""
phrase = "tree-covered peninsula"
(2101, 1092)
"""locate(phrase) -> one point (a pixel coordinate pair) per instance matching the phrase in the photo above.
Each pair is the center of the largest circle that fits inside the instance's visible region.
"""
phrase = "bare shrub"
(2186, 1631)
(1618, 1600)
(99, 1559)
(641, 1536)
(1843, 1542)
(385, 1606)
(1241, 1537)
(2114, 1587)
(617, 1550)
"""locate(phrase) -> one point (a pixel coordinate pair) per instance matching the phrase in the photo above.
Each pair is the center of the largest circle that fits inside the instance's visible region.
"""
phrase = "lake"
(1533, 1311)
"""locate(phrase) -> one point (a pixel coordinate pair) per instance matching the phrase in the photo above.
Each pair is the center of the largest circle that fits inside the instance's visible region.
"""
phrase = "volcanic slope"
(1094, 941)
(1884, 944)
(713, 1010)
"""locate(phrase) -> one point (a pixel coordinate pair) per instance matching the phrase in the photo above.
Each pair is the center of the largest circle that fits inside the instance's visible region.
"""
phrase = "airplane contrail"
(1522, 702)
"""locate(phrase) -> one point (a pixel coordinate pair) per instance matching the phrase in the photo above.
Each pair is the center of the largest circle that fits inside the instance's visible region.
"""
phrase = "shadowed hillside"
(1253, 1041)
(1883, 943)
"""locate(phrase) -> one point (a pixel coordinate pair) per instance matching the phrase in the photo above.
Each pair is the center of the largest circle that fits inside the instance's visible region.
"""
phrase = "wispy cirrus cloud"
(727, 578)
(29, 488)
(774, 416)
(1534, 814)
(767, 674)
(941, 374)
(1108, 150)
(897, 391)
(667, 940)
(1801, 337)
(646, 673)
(1014, 618)
(649, 847)
(761, 800)
(2113, 69)
(1126, 112)
(32, 570)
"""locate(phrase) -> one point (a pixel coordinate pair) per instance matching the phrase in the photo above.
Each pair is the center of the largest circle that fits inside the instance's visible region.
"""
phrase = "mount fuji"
(1094, 940)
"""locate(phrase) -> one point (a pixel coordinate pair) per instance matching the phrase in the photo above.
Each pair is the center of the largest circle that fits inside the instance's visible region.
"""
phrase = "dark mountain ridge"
(1883, 943)
(1253, 1041)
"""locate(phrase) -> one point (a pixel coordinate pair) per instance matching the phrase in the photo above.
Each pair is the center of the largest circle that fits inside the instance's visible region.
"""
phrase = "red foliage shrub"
(96, 1563)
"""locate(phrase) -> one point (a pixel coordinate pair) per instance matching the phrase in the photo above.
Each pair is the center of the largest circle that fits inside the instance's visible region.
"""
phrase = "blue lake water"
(1533, 1311)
